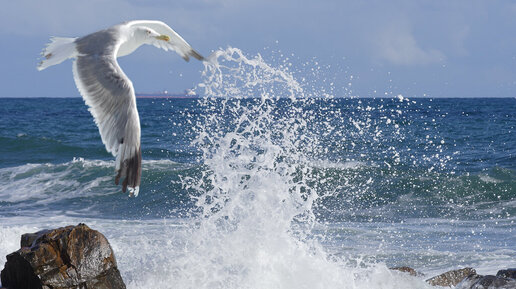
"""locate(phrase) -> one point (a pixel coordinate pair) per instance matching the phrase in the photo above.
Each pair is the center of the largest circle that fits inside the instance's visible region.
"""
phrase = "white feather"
(58, 50)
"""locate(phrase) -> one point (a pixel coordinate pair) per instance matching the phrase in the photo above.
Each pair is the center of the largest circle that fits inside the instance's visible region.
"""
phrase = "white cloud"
(397, 45)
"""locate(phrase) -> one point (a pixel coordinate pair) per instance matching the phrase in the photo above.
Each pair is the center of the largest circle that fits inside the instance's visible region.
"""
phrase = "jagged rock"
(406, 269)
(18, 273)
(451, 278)
(508, 273)
(469, 281)
(475, 281)
(68, 257)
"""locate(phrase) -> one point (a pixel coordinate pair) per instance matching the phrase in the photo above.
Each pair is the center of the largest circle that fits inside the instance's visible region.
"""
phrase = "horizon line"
(149, 96)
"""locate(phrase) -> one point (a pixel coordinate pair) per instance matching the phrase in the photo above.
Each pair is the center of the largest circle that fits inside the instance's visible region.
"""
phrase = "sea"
(271, 180)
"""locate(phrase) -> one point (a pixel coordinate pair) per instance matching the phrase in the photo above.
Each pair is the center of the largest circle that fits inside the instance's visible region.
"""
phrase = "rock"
(475, 281)
(27, 239)
(451, 278)
(405, 269)
(469, 281)
(68, 257)
(18, 273)
(508, 273)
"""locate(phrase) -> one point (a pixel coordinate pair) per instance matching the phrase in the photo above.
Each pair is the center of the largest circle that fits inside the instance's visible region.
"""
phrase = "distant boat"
(188, 93)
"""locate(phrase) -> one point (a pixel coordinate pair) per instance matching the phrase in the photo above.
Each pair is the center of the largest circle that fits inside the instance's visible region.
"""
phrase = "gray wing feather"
(111, 100)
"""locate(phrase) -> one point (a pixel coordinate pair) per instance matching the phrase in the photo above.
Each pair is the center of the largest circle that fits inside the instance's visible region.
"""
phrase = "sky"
(374, 48)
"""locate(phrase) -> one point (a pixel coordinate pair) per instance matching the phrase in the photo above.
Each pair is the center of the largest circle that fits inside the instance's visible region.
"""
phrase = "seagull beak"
(163, 37)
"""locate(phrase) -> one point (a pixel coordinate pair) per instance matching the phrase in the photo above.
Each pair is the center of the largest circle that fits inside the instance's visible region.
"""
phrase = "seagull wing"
(111, 100)
(176, 42)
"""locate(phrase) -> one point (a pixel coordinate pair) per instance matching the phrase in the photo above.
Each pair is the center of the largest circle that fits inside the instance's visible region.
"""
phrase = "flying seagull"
(106, 89)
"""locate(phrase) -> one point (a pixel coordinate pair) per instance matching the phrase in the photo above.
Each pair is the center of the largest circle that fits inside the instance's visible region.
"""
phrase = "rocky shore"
(467, 278)
(79, 257)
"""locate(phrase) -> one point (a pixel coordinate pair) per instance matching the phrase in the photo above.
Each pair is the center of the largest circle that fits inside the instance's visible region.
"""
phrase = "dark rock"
(475, 281)
(405, 269)
(469, 281)
(509, 273)
(18, 273)
(451, 278)
(69, 257)
(28, 238)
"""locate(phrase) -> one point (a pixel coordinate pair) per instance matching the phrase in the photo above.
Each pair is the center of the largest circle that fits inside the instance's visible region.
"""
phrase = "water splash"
(257, 191)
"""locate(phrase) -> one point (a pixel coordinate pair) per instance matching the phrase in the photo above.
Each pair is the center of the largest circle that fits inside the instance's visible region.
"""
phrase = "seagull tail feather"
(58, 50)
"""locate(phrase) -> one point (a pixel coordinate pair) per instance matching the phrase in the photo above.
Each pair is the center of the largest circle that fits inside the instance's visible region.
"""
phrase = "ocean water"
(270, 180)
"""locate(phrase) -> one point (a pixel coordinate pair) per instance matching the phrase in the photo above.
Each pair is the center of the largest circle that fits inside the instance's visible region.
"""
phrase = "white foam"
(489, 179)
(47, 183)
(170, 252)
(10, 238)
(326, 164)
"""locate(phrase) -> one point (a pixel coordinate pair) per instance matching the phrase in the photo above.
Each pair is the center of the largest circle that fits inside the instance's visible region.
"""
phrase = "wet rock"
(405, 269)
(469, 281)
(475, 281)
(18, 273)
(27, 239)
(508, 273)
(68, 257)
(451, 278)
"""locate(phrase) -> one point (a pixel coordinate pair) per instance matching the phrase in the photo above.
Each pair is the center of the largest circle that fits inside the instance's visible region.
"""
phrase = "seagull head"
(149, 35)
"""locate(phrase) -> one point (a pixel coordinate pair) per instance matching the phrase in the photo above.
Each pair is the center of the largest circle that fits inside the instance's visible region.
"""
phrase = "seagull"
(107, 91)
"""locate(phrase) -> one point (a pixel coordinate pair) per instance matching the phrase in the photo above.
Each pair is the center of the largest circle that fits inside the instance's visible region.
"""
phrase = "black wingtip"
(196, 55)
(131, 169)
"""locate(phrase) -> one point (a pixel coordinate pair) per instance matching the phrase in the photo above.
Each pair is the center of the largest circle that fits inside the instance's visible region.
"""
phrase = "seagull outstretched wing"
(110, 96)
(176, 42)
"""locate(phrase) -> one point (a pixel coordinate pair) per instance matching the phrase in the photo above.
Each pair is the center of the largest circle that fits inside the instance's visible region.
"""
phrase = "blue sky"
(414, 48)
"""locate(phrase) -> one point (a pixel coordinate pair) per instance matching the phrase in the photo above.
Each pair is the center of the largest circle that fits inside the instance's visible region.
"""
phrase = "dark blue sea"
(258, 183)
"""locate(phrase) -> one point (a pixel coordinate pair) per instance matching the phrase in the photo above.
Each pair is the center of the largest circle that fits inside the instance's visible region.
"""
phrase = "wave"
(350, 190)
(46, 184)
